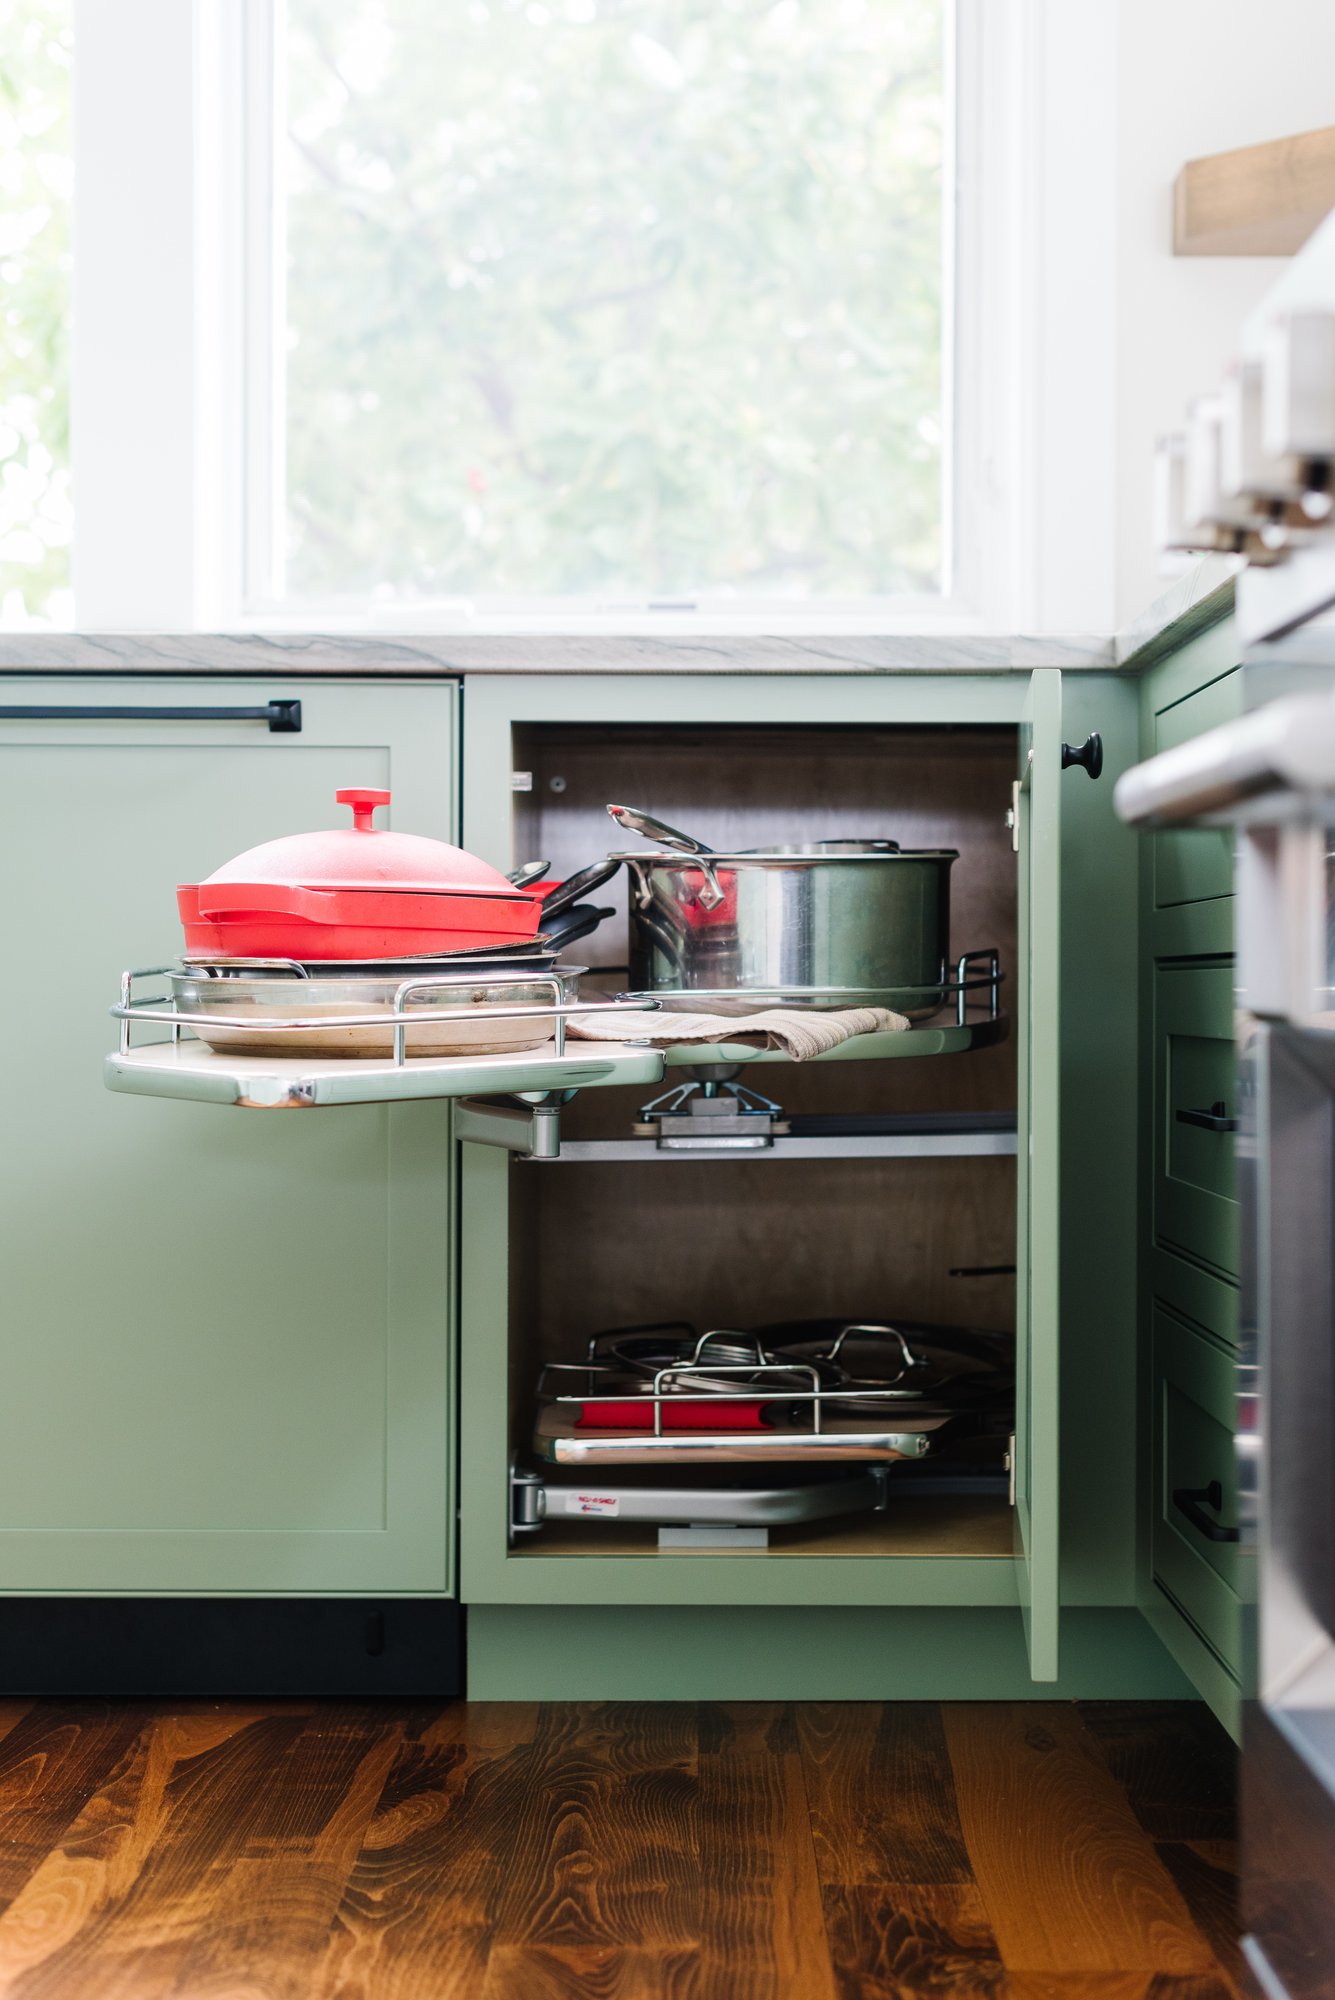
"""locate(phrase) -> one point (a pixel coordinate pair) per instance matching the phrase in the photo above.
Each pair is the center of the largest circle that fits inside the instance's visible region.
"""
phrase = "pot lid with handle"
(364, 856)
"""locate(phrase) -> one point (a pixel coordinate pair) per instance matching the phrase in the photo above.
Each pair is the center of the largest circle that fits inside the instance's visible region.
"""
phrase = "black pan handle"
(569, 925)
(578, 886)
(982, 1270)
(283, 717)
(1090, 754)
(1187, 1500)
(1216, 1119)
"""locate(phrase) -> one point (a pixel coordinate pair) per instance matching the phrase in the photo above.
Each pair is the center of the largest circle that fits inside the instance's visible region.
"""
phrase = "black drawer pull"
(1216, 1119)
(1187, 1500)
(283, 717)
(1090, 754)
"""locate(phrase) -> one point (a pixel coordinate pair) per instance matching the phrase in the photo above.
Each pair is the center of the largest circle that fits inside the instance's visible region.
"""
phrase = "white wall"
(1194, 76)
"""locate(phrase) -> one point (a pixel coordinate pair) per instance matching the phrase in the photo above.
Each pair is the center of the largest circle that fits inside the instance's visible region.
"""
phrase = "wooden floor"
(842, 1852)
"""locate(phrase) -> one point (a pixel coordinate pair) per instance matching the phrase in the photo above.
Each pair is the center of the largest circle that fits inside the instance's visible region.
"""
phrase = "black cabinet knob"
(1090, 754)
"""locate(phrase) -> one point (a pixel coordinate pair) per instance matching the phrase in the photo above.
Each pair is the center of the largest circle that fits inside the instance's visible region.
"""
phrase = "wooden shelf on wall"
(1258, 201)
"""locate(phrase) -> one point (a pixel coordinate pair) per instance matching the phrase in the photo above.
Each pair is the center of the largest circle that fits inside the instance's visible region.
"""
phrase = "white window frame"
(176, 477)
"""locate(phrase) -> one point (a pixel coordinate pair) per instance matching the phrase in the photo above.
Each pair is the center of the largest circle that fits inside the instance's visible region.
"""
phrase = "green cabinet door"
(1035, 1458)
(226, 1340)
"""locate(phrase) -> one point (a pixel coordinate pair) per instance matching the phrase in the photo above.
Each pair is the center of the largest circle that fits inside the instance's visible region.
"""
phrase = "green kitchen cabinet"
(1195, 1113)
(228, 1340)
(536, 750)
(1189, 1241)
(233, 1338)
(1194, 1546)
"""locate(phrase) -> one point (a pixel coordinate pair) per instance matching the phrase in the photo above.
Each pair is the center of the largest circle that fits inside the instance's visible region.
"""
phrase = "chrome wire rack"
(704, 1377)
(976, 984)
(160, 1009)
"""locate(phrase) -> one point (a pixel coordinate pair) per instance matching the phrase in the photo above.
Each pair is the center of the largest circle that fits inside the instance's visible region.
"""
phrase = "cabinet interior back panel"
(742, 1243)
(742, 787)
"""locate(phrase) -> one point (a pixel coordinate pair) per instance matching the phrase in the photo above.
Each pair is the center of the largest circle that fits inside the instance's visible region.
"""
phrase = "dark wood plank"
(52, 1759)
(1070, 1879)
(605, 1847)
(12, 1712)
(882, 1795)
(1206, 1872)
(271, 1916)
(592, 1972)
(1176, 1765)
(113, 1908)
(759, 1913)
(896, 1943)
(417, 1914)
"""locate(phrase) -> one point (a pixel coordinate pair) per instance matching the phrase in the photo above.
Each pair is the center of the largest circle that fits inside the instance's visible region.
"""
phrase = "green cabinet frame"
(228, 1341)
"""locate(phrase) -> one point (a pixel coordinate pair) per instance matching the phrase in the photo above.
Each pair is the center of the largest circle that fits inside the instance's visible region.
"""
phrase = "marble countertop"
(1196, 600)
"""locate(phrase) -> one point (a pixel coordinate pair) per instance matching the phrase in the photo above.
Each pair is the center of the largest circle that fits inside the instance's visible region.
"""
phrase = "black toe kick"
(220, 1646)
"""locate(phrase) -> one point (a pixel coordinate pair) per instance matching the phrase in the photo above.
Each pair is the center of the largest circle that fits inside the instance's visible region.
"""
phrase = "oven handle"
(1216, 1119)
(283, 717)
(1187, 1500)
(1241, 771)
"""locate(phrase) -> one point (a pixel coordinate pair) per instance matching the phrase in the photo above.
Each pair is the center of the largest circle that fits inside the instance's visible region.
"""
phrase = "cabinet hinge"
(1010, 1470)
(1013, 817)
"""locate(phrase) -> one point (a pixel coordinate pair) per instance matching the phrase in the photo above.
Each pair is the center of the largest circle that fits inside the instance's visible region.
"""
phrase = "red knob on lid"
(363, 803)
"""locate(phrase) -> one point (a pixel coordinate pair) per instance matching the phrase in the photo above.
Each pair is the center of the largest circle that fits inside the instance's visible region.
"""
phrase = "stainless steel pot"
(252, 999)
(820, 923)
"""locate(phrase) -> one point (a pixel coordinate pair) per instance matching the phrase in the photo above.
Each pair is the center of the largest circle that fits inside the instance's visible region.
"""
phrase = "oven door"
(1287, 1484)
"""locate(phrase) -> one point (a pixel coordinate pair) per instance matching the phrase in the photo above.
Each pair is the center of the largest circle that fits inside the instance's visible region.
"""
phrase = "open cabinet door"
(1035, 1460)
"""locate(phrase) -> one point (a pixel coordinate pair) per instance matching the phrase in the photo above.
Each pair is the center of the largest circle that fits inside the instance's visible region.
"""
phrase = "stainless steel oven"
(1271, 776)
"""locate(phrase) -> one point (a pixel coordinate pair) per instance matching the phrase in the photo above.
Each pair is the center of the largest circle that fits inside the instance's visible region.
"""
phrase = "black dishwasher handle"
(1187, 1500)
(283, 717)
(1216, 1119)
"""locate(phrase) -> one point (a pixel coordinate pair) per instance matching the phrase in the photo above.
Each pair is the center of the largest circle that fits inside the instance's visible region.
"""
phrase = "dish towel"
(800, 1032)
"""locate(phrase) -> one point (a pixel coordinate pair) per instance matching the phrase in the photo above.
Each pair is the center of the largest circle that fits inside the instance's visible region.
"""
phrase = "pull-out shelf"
(189, 1069)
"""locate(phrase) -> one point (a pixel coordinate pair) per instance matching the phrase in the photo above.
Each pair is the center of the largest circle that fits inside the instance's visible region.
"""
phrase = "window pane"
(622, 298)
(36, 180)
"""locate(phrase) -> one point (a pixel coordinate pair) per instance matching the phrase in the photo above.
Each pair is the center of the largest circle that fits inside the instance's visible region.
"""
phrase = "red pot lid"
(362, 856)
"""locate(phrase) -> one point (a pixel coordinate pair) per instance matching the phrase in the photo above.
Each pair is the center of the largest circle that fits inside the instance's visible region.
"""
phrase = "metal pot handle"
(634, 820)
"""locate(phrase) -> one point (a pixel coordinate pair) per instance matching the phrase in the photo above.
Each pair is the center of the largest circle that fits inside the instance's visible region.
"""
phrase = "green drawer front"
(1195, 1480)
(1198, 1295)
(1193, 866)
(1195, 1175)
